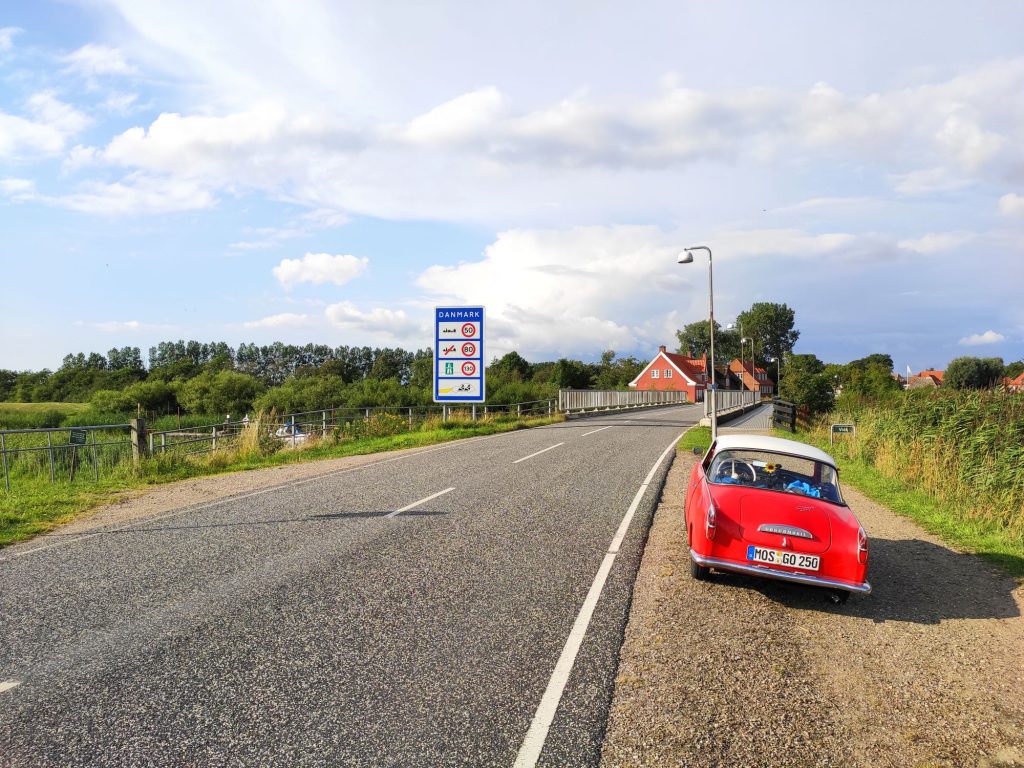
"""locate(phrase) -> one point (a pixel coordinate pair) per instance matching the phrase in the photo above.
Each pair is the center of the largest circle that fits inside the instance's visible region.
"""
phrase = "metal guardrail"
(110, 447)
(577, 400)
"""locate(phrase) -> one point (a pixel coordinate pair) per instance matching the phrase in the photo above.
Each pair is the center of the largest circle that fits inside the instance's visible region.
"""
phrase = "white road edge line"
(538, 453)
(533, 743)
(421, 501)
(7, 685)
(597, 430)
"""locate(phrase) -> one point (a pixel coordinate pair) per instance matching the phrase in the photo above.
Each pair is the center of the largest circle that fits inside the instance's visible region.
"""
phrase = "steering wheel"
(733, 465)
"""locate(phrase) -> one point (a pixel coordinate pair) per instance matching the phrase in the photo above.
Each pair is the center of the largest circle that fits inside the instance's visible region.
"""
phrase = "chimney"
(661, 348)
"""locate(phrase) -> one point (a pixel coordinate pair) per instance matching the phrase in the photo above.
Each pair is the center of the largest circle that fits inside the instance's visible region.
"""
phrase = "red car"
(770, 507)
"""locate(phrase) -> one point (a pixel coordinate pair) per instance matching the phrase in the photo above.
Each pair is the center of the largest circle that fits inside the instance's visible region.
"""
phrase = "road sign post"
(459, 355)
(840, 429)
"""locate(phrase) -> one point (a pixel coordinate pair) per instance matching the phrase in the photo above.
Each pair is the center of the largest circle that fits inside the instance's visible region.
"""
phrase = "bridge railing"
(579, 400)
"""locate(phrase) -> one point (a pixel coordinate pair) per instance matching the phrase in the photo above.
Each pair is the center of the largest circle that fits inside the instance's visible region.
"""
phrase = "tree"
(806, 382)
(772, 326)
(1015, 369)
(510, 367)
(615, 373)
(695, 339)
(973, 372)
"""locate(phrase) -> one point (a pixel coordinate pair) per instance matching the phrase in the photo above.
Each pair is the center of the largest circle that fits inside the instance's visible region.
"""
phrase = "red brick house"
(1014, 385)
(753, 378)
(669, 371)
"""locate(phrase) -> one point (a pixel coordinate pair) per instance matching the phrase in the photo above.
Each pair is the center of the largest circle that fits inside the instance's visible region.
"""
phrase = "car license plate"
(782, 557)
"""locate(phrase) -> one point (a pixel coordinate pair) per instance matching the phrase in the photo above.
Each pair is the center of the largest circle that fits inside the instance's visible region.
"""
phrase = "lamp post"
(753, 368)
(686, 257)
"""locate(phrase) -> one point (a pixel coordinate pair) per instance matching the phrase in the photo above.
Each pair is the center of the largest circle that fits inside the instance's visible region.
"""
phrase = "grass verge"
(34, 506)
(697, 437)
(984, 538)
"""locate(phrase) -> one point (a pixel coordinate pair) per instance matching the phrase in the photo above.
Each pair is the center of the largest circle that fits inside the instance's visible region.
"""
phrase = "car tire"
(699, 572)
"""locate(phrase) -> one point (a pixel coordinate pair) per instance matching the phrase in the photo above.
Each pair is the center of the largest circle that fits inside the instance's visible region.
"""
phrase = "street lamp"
(753, 368)
(686, 257)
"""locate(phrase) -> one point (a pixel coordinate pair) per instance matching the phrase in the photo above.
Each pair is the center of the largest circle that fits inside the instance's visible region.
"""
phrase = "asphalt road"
(312, 625)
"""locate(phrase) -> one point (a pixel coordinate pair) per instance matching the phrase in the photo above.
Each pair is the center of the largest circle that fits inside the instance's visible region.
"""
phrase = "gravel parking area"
(928, 670)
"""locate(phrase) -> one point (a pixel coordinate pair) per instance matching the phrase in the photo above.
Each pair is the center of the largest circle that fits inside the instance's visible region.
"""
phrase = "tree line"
(215, 378)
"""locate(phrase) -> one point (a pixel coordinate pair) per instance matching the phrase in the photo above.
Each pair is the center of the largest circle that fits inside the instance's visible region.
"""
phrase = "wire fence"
(87, 454)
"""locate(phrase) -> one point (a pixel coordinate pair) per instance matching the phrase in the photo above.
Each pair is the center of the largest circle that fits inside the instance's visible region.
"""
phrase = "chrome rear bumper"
(770, 573)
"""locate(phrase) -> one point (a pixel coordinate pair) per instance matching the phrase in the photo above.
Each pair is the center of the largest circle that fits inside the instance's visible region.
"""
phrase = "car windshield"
(775, 472)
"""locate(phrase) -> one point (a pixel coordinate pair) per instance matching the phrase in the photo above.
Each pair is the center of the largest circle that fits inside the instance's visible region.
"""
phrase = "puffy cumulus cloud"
(1011, 205)
(91, 60)
(468, 117)
(283, 320)
(44, 130)
(320, 268)
(503, 164)
(578, 291)
(936, 241)
(380, 325)
(981, 339)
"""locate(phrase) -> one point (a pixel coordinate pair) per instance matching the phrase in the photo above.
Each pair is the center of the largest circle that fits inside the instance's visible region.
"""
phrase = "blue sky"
(328, 172)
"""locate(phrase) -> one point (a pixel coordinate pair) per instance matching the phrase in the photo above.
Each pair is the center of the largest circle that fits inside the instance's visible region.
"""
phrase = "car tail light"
(862, 545)
(709, 521)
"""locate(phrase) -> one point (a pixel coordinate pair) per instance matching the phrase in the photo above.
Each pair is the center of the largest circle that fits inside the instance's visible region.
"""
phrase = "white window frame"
(668, 373)
(655, 373)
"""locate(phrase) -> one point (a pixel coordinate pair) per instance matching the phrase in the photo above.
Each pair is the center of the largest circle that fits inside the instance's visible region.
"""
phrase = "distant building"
(925, 379)
(669, 371)
(1014, 385)
(752, 378)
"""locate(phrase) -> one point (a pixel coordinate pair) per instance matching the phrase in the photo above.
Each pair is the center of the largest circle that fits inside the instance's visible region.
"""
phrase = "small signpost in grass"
(840, 429)
(77, 438)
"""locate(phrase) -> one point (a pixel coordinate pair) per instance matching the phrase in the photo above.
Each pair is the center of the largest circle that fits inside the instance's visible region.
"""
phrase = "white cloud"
(378, 324)
(936, 241)
(7, 37)
(283, 320)
(91, 60)
(123, 326)
(1011, 205)
(137, 194)
(45, 132)
(980, 339)
(320, 268)
(928, 181)
(465, 118)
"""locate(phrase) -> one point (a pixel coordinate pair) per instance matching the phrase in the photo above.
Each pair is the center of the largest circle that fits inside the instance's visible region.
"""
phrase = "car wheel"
(699, 572)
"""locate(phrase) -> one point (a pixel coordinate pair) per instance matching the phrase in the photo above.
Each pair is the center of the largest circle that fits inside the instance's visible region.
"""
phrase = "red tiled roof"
(691, 366)
(936, 375)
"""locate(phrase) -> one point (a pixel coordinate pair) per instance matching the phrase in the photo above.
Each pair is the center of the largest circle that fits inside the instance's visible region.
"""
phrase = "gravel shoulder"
(928, 670)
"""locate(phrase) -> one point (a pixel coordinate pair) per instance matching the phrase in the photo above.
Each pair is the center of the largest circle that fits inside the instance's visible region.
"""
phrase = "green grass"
(34, 506)
(697, 437)
(66, 408)
(985, 538)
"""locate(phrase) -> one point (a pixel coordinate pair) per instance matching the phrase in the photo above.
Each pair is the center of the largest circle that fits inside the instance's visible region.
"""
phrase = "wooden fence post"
(138, 435)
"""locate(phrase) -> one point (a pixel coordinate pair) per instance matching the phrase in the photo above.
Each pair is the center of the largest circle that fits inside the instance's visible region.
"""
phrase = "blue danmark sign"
(459, 355)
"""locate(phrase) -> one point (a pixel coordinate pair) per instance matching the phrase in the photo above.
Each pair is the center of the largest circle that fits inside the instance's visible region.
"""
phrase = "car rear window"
(775, 472)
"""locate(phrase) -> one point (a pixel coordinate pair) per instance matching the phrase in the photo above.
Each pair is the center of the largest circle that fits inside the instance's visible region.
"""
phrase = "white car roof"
(774, 444)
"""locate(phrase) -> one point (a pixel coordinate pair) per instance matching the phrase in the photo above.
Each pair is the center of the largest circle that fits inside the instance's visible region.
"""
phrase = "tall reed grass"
(964, 448)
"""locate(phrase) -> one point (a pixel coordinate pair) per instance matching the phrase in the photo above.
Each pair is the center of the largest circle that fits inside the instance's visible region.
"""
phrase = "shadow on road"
(912, 580)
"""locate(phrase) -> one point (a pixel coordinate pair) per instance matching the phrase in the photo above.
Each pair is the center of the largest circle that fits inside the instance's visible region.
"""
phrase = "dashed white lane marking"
(538, 453)
(597, 430)
(533, 744)
(7, 685)
(269, 489)
(421, 501)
